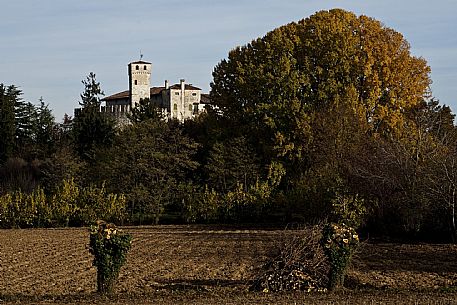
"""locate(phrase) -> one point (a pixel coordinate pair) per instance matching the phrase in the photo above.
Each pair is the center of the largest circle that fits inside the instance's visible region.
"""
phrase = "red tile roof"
(156, 90)
(125, 94)
(117, 96)
(187, 87)
(153, 91)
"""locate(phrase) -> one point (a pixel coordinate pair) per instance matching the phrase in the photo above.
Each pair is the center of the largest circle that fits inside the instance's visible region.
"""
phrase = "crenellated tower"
(139, 81)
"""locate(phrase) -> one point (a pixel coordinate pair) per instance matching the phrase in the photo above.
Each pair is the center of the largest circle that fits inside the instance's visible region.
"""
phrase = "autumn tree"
(441, 187)
(313, 94)
(274, 87)
(410, 175)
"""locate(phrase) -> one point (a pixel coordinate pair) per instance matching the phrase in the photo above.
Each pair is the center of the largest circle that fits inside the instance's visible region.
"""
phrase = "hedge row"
(70, 205)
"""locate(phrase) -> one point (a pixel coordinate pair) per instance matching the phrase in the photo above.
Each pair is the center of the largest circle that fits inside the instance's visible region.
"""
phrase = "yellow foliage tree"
(276, 87)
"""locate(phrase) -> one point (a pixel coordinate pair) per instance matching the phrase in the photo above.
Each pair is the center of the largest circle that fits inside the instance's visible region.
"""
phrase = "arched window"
(144, 68)
(136, 82)
(190, 107)
(137, 67)
(175, 107)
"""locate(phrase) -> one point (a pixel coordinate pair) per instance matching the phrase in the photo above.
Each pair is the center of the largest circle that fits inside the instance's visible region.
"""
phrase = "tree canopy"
(92, 92)
(9, 95)
(149, 161)
(340, 103)
(325, 118)
(276, 84)
(92, 128)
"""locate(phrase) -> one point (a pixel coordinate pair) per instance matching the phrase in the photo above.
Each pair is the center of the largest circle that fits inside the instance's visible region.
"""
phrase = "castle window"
(190, 107)
(176, 93)
(195, 109)
(175, 107)
(136, 82)
(138, 67)
(144, 68)
(194, 94)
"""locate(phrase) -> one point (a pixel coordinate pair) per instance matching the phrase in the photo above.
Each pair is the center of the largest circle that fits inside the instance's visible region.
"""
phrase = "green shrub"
(350, 208)
(242, 204)
(109, 245)
(64, 203)
(39, 210)
(18, 209)
(69, 205)
(95, 203)
(201, 206)
(6, 215)
(339, 242)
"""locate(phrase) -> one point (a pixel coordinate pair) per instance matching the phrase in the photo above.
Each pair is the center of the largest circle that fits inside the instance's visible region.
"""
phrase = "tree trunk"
(105, 285)
(453, 217)
(336, 280)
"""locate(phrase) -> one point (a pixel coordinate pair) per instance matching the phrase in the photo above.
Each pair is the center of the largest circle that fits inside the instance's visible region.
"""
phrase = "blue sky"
(47, 47)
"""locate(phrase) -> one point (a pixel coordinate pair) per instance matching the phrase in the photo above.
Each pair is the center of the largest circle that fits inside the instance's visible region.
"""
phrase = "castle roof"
(139, 62)
(156, 90)
(153, 91)
(187, 87)
(117, 96)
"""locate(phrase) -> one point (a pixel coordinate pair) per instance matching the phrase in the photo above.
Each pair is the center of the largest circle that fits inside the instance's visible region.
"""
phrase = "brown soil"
(209, 265)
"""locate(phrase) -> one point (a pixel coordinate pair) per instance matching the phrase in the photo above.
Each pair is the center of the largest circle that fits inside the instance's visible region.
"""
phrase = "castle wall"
(184, 102)
(181, 101)
(191, 101)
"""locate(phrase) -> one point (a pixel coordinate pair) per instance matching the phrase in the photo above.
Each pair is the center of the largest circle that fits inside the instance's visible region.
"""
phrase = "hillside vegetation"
(328, 115)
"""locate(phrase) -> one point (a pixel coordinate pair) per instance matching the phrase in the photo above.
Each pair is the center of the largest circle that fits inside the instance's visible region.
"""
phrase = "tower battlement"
(139, 81)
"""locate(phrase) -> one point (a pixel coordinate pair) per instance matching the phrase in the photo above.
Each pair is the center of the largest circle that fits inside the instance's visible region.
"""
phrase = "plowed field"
(209, 265)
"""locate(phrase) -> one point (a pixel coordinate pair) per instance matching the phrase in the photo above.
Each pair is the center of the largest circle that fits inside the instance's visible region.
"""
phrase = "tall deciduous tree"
(441, 187)
(274, 87)
(408, 174)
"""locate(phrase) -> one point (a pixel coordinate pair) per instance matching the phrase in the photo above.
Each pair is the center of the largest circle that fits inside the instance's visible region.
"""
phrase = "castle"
(179, 101)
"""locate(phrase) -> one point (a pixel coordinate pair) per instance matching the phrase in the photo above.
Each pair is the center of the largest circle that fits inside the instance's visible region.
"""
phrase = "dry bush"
(297, 263)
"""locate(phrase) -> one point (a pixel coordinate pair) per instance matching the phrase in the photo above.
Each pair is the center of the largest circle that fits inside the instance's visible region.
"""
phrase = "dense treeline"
(331, 112)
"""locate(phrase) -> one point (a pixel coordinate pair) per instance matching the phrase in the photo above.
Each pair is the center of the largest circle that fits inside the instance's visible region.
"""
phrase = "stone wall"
(139, 81)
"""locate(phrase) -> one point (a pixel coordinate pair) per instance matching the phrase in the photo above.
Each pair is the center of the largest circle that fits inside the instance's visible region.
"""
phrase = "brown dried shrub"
(297, 263)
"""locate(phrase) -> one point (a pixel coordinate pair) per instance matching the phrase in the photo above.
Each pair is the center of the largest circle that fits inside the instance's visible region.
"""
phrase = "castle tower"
(139, 81)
